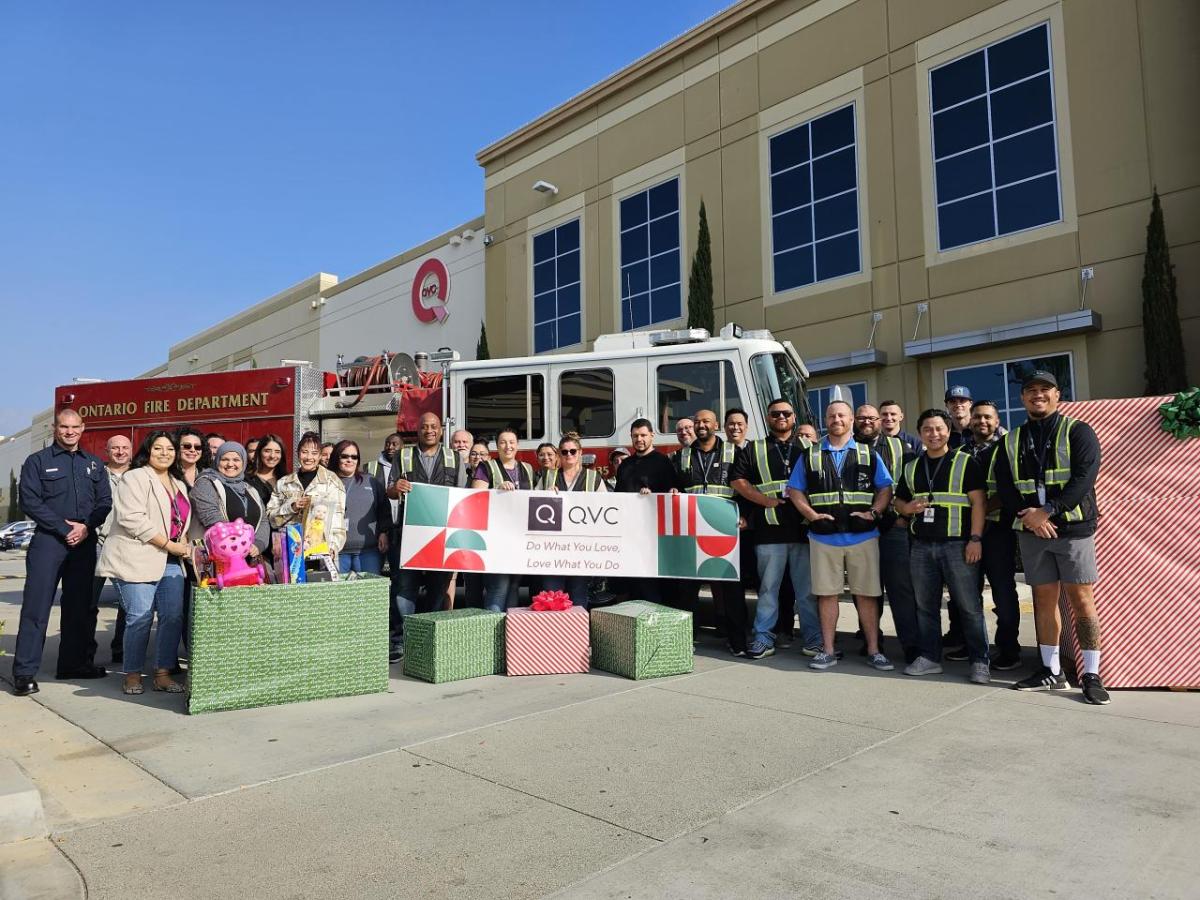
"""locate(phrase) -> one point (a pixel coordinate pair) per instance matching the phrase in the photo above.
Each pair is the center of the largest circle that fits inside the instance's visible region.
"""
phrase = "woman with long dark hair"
(142, 555)
(193, 455)
(368, 513)
(267, 465)
(311, 490)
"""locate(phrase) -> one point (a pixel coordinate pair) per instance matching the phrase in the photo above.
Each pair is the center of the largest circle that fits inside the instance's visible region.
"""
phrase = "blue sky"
(165, 165)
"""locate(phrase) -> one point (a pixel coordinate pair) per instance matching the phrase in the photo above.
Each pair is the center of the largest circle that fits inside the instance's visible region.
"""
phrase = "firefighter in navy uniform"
(66, 492)
(703, 468)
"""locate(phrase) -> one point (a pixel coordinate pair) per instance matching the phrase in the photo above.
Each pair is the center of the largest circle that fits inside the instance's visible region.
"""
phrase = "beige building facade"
(915, 192)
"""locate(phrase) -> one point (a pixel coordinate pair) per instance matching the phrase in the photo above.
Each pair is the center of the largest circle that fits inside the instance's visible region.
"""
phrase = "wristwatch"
(976, 539)
(876, 514)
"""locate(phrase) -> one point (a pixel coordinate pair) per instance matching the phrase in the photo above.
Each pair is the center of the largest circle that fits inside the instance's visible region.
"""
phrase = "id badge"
(1041, 488)
(927, 516)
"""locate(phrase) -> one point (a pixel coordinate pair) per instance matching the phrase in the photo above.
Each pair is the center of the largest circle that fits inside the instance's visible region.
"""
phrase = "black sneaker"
(1093, 690)
(1006, 662)
(396, 654)
(1043, 680)
(958, 654)
(733, 651)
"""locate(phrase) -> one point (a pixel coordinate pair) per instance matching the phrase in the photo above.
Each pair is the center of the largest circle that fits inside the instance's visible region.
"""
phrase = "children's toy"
(293, 538)
(316, 542)
(228, 543)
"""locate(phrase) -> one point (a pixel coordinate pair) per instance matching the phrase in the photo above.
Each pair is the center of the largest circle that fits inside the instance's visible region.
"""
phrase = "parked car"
(16, 535)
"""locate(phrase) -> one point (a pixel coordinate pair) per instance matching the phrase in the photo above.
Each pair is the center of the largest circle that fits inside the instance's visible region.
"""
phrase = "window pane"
(544, 307)
(664, 198)
(833, 131)
(502, 402)
(543, 246)
(960, 128)
(965, 174)
(568, 301)
(793, 268)
(1024, 156)
(568, 236)
(633, 210)
(568, 267)
(834, 173)
(664, 234)
(664, 270)
(588, 400)
(1028, 204)
(635, 243)
(569, 330)
(819, 398)
(966, 221)
(791, 189)
(837, 257)
(792, 229)
(544, 337)
(1019, 56)
(543, 276)
(789, 149)
(665, 304)
(685, 388)
(635, 279)
(1021, 106)
(958, 81)
(639, 311)
(836, 215)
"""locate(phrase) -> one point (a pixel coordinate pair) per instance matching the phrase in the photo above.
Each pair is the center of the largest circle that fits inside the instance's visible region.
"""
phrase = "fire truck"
(662, 376)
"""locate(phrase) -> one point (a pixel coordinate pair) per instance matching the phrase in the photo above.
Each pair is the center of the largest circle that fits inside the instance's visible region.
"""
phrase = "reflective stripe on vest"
(895, 457)
(498, 473)
(406, 461)
(767, 487)
(994, 515)
(548, 480)
(716, 490)
(853, 500)
(954, 499)
(1057, 474)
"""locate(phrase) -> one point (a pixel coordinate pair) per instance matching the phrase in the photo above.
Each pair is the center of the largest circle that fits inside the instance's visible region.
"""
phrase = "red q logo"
(430, 291)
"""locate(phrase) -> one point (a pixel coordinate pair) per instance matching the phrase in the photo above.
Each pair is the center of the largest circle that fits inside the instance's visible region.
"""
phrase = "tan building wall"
(703, 107)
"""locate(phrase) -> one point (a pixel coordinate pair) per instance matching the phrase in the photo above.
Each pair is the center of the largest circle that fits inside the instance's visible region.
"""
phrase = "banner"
(593, 534)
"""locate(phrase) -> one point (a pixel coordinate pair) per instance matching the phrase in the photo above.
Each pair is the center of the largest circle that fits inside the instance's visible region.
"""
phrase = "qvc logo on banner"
(431, 291)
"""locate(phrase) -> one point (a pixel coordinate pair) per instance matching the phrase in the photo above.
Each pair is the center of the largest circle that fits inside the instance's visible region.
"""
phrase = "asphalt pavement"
(744, 779)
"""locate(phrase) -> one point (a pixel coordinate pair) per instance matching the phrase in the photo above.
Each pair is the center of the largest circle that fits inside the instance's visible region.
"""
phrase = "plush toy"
(228, 543)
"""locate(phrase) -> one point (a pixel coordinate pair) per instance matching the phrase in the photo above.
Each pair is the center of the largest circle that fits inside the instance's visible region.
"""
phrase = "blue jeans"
(368, 560)
(575, 585)
(500, 591)
(934, 563)
(896, 572)
(142, 600)
(772, 560)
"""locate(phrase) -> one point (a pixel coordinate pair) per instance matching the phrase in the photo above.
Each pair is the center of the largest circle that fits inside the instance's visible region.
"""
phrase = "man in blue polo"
(842, 489)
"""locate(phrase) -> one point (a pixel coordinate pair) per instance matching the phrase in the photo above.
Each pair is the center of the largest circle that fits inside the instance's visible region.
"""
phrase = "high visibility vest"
(1057, 474)
(548, 479)
(993, 515)
(766, 485)
(449, 461)
(829, 493)
(895, 456)
(721, 487)
(498, 478)
(949, 505)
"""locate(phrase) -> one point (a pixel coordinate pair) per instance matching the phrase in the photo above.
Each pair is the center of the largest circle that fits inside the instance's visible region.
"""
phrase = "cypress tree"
(1166, 368)
(700, 281)
(14, 509)
(481, 348)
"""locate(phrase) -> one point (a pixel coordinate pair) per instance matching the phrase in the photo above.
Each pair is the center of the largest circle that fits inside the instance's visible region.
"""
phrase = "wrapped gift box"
(642, 640)
(282, 643)
(549, 642)
(452, 645)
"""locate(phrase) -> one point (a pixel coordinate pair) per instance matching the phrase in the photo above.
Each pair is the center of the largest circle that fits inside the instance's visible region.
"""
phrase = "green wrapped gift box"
(455, 644)
(283, 643)
(642, 640)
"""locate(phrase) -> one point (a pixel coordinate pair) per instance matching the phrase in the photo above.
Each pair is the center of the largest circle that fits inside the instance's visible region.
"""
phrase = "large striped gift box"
(454, 644)
(281, 643)
(547, 642)
(639, 640)
(1147, 548)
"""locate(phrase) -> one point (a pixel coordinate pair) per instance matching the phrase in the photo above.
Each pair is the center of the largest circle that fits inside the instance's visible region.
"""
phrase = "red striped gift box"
(549, 642)
(1147, 548)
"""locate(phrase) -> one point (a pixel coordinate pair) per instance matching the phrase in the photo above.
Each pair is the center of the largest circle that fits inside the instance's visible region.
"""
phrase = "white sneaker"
(980, 673)
(923, 666)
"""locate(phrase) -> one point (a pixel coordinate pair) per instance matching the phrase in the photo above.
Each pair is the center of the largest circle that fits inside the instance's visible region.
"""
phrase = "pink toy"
(228, 543)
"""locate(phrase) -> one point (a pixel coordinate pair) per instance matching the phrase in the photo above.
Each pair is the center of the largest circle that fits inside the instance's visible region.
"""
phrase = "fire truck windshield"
(776, 376)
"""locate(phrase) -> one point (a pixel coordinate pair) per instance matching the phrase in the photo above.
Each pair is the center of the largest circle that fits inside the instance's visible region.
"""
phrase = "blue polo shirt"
(880, 477)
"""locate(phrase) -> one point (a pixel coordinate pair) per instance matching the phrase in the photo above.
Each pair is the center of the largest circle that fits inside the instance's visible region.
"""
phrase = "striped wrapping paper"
(1147, 548)
(549, 642)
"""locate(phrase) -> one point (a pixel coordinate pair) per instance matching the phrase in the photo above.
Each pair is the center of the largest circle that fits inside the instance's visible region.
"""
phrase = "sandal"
(133, 687)
(165, 683)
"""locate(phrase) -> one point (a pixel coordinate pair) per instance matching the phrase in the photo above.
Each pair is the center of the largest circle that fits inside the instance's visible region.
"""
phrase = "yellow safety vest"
(828, 501)
(953, 500)
(766, 486)
(407, 459)
(717, 490)
(1057, 474)
(548, 480)
(498, 474)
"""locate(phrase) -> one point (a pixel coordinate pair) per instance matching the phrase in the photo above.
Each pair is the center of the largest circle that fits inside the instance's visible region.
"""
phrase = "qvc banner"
(572, 533)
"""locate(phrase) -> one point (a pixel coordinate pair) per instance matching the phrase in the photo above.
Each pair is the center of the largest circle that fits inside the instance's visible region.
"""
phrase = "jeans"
(933, 564)
(142, 600)
(575, 585)
(368, 560)
(407, 584)
(894, 569)
(772, 560)
(999, 564)
(500, 591)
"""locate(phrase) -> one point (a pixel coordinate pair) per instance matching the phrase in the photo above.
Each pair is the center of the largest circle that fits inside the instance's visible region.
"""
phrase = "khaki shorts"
(832, 566)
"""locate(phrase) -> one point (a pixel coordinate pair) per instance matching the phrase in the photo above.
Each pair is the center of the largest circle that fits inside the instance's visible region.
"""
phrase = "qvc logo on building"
(431, 291)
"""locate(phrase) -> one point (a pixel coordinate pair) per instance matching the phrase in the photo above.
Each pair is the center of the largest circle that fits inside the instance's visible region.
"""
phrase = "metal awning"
(1079, 321)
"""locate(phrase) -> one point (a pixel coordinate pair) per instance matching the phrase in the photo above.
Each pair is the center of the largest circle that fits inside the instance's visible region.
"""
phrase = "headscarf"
(236, 483)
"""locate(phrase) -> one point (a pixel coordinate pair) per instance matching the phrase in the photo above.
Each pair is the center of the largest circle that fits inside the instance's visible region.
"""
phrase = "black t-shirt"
(974, 479)
(653, 471)
(782, 457)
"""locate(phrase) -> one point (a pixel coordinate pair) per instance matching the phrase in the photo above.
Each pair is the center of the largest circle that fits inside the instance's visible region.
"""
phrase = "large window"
(818, 399)
(650, 279)
(506, 401)
(587, 401)
(814, 201)
(685, 388)
(995, 147)
(557, 316)
(1000, 382)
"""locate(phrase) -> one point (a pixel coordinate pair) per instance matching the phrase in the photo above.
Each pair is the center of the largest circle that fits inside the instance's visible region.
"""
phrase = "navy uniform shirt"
(57, 485)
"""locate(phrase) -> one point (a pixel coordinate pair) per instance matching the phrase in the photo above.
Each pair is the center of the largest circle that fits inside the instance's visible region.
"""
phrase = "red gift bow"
(551, 601)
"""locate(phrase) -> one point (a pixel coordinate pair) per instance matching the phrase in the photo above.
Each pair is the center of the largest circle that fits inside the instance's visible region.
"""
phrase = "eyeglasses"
(781, 414)
(866, 418)
(574, 451)
(189, 446)
(347, 456)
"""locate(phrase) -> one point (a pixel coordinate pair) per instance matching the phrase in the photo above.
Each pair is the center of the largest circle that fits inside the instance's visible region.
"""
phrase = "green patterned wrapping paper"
(642, 640)
(283, 643)
(455, 644)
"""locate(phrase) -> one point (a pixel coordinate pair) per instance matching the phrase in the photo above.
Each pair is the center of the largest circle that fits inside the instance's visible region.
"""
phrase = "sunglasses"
(189, 446)
(347, 456)
(781, 414)
(572, 452)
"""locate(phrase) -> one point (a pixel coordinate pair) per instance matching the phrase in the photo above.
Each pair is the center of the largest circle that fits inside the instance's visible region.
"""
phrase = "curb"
(21, 813)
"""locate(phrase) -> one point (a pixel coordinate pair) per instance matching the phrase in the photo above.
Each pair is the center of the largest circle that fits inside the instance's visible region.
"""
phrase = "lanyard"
(706, 467)
(786, 459)
(1041, 452)
(929, 479)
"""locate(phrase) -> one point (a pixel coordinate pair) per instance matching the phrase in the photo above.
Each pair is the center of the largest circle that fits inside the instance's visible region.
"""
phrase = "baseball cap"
(619, 451)
(1039, 377)
(958, 392)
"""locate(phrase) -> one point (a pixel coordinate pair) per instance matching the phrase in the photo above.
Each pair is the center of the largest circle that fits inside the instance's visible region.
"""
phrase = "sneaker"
(880, 662)
(823, 661)
(396, 654)
(812, 650)
(1043, 680)
(923, 666)
(759, 650)
(1006, 662)
(951, 642)
(958, 654)
(733, 651)
(980, 674)
(1093, 689)
(783, 639)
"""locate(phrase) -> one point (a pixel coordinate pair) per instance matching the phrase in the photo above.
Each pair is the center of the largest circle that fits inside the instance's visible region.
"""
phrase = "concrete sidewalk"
(744, 779)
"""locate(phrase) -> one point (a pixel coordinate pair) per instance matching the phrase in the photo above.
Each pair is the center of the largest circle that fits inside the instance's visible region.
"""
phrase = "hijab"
(236, 483)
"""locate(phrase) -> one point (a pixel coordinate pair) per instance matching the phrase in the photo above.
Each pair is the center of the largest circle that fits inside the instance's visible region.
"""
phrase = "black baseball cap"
(958, 392)
(1039, 377)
